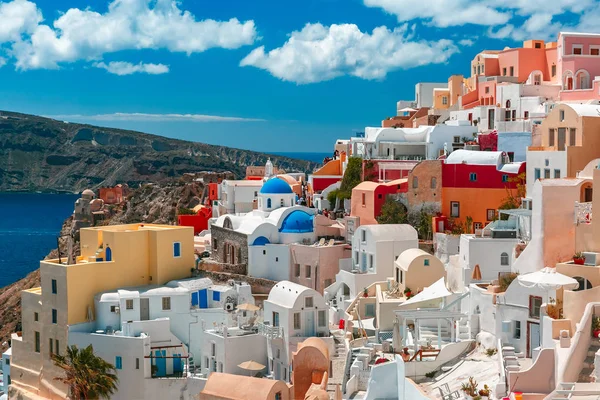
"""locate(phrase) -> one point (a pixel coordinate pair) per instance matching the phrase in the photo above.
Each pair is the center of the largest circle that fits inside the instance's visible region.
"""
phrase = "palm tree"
(87, 375)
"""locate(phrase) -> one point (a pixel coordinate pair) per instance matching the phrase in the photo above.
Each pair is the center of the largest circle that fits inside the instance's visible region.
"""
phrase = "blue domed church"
(258, 242)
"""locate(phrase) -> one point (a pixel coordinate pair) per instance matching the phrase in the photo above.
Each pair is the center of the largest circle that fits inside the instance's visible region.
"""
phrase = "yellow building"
(112, 257)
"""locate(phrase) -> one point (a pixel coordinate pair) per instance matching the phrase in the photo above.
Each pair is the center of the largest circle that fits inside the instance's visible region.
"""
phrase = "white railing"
(583, 213)
(271, 332)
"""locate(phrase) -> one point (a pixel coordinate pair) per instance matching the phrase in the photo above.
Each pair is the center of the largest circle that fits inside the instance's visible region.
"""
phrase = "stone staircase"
(587, 374)
(338, 362)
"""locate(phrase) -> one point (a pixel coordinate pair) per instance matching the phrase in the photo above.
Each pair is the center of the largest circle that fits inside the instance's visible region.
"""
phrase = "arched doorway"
(582, 80)
(568, 80)
(586, 193)
(108, 254)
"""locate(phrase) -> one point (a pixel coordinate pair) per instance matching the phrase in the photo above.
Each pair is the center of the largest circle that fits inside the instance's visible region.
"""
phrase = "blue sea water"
(314, 157)
(29, 226)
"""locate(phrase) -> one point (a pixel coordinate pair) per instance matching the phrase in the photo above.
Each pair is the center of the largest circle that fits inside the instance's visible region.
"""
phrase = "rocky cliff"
(42, 154)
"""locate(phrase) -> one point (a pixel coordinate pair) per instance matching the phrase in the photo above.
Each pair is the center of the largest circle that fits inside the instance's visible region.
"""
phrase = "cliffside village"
(450, 253)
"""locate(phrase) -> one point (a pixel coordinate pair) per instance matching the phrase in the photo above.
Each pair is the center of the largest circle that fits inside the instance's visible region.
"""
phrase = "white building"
(424, 93)
(422, 143)
(374, 252)
(6, 369)
(292, 313)
(236, 197)
(491, 254)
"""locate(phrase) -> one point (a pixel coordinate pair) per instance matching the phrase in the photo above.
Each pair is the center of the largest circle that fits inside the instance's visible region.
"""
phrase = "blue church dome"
(297, 222)
(276, 186)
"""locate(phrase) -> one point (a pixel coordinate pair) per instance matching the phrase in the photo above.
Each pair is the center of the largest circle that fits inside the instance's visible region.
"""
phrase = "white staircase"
(464, 329)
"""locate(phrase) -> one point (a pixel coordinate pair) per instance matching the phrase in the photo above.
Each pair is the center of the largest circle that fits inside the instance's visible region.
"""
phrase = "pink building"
(315, 266)
(579, 55)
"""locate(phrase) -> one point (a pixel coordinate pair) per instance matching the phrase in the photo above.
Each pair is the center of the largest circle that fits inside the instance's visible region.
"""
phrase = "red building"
(368, 198)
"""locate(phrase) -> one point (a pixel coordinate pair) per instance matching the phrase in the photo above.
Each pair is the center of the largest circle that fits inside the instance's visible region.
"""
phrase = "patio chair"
(446, 394)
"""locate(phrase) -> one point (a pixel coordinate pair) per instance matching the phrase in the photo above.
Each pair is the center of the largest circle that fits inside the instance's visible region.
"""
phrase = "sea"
(29, 227)
(31, 222)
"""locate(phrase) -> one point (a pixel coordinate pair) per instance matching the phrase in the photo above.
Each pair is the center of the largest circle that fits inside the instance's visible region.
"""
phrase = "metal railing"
(271, 332)
(583, 213)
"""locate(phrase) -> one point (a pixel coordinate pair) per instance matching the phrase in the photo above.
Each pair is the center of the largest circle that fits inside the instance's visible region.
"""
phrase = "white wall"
(538, 159)
(271, 261)
(424, 93)
(6, 370)
(238, 198)
(231, 351)
(445, 134)
(485, 252)
(482, 309)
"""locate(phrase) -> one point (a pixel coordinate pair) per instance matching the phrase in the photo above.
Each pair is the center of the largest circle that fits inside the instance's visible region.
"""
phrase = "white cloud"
(2, 62)
(320, 53)
(143, 117)
(466, 42)
(517, 20)
(126, 68)
(127, 25)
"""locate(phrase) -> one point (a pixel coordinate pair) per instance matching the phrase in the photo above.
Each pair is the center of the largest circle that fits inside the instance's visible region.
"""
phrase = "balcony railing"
(583, 213)
(271, 332)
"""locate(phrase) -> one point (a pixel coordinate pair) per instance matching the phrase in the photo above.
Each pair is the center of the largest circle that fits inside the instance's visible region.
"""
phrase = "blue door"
(108, 254)
(203, 298)
(161, 362)
(194, 298)
(177, 364)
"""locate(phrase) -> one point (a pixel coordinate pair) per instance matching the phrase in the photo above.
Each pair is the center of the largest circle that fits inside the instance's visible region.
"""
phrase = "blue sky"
(289, 75)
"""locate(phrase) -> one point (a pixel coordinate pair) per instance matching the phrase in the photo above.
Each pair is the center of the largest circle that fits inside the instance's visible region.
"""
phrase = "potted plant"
(365, 292)
(407, 293)
(485, 392)
(154, 370)
(469, 389)
(578, 258)
(596, 327)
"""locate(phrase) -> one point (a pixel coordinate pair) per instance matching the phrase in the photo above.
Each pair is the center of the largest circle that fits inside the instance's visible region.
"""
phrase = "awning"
(476, 276)
(437, 290)
(252, 366)
(547, 279)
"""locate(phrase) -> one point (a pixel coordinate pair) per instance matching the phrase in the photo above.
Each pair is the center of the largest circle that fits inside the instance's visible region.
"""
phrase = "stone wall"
(222, 237)
(208, 264)
(258, 285)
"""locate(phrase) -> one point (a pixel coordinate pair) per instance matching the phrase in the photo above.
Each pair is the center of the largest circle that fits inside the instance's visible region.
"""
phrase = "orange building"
(113, 195)
(311, 364)
(328, 174)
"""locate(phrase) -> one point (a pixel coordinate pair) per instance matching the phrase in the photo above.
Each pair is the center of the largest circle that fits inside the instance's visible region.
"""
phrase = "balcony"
(271, 332)
(583, 213)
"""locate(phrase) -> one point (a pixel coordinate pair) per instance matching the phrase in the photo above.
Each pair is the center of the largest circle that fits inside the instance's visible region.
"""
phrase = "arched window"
(108, 254)
(433, 182)
(584, 284)
(504, 259)
(507, 103)
(568, 80)
(582, 79)
(269, 203)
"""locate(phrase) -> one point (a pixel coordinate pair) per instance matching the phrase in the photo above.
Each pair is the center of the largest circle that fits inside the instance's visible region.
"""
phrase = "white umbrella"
(408, 109)
(547, 279)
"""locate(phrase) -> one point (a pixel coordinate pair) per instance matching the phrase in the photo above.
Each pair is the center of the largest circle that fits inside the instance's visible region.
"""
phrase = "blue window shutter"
(216, 296)
(176, 249)
(194, 298)
(119, 362)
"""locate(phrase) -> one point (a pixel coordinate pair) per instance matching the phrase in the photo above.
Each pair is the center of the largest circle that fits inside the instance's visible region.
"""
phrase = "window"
(444, 100)
(278, 396)
(491, 214)
(551, 137)
(456, 139)
(216, 296)
(537, 79)
(137, 363)
(264, 252)
(415, 182)
(535, 304)
(205, 362)
(220, 366)
(129, 304)
(401, 276)
(525, 114)
(57, 348)
(517, 333)
(537, 173)
(433, 183)
(322, 321)
(504, 259)
(166, 303)
(504, 178)
(556, 173)
(454, 209)
(37, 342)
(278, 353)
(514, 115)
(307, 271)
(327, 283)
(503, 71)
(363, 235)
(380, 196)
(297, 270)
(275, 318)
(512, 71)
(546, 173)
(54, 316)
(487, 89)
(478, 69)
(214, 244)
(538, 45)
(477, 225)
(507, 103)
(268, 203)
(572, 136)
(507, 115)
(561, 115)
(594, 51)
(308, 302)
(297, 320)
(473, 177)
(36, 316)
(577, 49)
(482, 68)
(51, 346)
(119, 362)
(370, 310)
(54, 290)
(281, 203)
(364, 199)
(370, 261)
(553, 70)
(426, 262)
(213, 349)
(176, 249)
